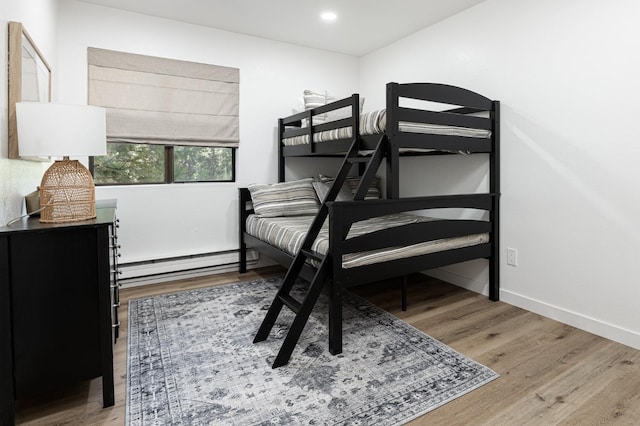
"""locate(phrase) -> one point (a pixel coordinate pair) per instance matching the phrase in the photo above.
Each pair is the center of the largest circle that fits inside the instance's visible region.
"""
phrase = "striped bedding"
(375, 122)
(287, 234)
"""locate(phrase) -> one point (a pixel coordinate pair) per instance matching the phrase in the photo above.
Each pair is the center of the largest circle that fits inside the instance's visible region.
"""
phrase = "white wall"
(174, 220)
(566, 74)
(20, 177)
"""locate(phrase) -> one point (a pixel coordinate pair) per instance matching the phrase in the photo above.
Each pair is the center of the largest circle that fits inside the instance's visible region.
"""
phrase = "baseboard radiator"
(175, 268)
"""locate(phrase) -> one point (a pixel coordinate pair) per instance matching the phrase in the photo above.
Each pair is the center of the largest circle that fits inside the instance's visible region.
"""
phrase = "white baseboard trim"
(162, 270)
(575, 319)
(565, 316)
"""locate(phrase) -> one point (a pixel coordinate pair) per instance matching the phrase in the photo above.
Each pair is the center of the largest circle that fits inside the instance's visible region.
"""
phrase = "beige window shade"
(164, 101)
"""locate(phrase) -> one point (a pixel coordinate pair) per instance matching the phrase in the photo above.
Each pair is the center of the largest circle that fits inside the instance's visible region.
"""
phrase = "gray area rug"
(191, 361)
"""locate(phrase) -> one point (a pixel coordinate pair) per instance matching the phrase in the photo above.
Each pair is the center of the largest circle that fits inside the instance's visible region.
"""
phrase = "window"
(130, 164)
(203, 164)
(168, 120)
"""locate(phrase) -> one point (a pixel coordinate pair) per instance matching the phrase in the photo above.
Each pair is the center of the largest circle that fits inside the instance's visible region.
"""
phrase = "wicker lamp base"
(67, 193)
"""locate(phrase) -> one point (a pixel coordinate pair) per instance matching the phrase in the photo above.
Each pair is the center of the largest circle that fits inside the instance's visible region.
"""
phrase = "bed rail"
(343, 214)
(463, 102)
(445, 118)
(354, 211)
(302, 125)
(414, 233)
(441, 93)
(463, 113)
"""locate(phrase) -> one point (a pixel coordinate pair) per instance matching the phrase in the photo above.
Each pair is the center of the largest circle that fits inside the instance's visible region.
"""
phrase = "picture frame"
(29, 79)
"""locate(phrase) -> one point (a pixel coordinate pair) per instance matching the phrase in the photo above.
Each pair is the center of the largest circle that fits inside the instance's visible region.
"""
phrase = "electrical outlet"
(512, 257)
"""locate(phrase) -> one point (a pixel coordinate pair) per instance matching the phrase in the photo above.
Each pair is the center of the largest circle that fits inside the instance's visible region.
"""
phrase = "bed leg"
(335, 320)
(243, 258)
(404, 292)
(494, 277)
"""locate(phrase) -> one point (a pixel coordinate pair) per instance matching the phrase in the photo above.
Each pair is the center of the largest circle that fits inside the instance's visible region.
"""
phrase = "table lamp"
(67, 191)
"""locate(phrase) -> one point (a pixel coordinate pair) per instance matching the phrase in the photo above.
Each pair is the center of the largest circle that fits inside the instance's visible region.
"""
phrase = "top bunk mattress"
(375, 122)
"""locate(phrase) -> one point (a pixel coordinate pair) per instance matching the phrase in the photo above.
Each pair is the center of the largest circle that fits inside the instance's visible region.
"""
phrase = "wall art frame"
(29, 79)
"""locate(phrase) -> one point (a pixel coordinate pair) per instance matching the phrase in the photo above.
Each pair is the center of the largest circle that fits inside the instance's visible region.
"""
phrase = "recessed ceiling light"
(328, 16)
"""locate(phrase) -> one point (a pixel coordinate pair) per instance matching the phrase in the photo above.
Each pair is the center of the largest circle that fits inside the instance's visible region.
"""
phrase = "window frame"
(169, 169)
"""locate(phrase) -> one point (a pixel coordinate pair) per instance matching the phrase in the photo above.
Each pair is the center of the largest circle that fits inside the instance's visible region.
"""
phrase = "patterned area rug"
(191, 361)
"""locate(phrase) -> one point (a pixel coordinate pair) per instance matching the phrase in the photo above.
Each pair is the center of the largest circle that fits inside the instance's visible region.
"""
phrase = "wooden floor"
(550, 373)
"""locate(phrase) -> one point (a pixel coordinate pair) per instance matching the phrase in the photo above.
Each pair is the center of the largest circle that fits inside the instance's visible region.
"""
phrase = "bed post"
(494, 171)
(334, 280)
(244, 196)
(393, 160)
(280, 153)
(335, 318)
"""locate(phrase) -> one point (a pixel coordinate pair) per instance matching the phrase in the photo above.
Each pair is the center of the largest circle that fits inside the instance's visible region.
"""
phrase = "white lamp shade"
(57, 130)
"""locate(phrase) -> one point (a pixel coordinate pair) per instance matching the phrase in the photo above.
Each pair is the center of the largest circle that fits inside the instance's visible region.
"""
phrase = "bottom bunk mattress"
(287, 234)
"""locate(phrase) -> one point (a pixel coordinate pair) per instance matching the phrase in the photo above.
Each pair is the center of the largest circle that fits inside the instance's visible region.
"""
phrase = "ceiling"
(361, 27)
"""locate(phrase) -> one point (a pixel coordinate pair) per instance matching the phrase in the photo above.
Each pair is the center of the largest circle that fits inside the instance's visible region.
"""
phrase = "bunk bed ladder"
(283, 296)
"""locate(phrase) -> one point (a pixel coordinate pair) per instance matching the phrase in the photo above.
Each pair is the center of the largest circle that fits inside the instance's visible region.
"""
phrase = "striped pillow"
(323, 188)
(373, 192)
(314, 99)
(294, 198)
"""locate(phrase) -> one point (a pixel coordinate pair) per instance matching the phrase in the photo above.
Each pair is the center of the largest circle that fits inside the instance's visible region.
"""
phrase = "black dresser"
(58, 306)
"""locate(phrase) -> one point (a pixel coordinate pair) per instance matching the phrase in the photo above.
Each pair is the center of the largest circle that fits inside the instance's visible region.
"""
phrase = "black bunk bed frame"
(330, 275)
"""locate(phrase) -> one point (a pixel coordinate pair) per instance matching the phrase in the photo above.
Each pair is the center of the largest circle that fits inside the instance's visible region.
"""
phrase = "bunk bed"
(349, 241)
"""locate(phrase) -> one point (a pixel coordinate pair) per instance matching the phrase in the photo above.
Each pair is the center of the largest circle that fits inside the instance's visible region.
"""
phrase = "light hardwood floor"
(550, 373)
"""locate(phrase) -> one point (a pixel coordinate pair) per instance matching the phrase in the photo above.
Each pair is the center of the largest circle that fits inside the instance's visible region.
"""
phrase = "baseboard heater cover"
(135, 273)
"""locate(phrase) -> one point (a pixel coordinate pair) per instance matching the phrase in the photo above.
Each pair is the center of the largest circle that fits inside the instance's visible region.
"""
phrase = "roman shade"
(164, 101)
